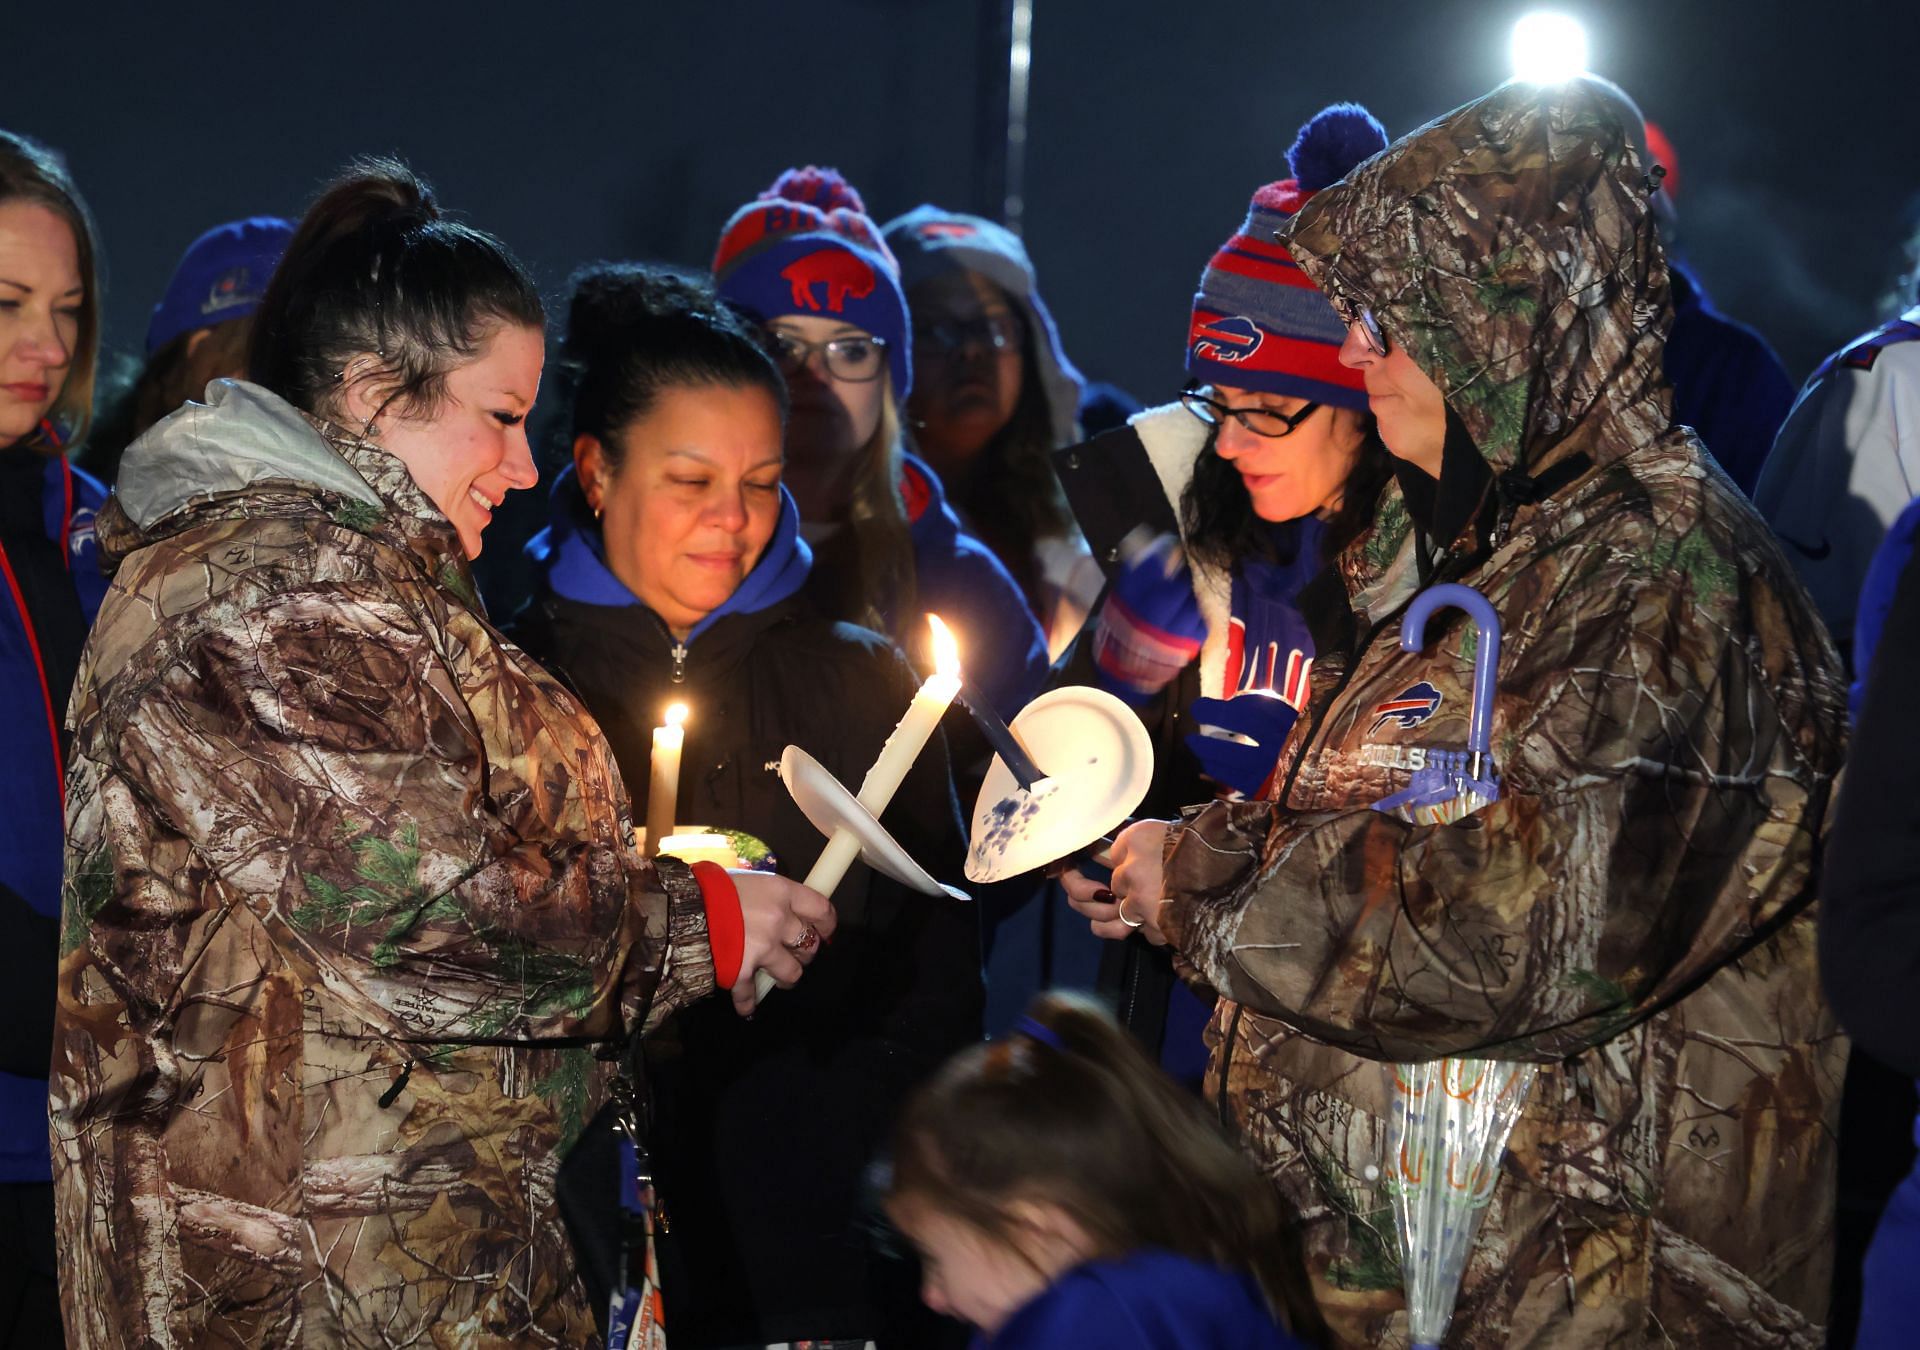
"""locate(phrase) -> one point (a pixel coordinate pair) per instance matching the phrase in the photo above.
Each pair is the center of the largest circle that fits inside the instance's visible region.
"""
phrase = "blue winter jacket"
(1727, 383)
(1151, 1300)
(571, 554)
(1893, 1257)
(32, 797)
(958, 578)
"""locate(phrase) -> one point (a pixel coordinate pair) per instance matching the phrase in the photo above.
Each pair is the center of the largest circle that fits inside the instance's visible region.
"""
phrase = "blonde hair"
(883, 582)
(31, 172)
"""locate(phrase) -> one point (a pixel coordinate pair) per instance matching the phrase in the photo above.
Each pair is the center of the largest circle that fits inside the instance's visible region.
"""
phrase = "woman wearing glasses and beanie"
(1267, 467)
(993, 397)
(1632, 913)
(806, 262)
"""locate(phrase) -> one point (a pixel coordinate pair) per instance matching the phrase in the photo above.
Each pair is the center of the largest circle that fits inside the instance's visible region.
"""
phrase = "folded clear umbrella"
(1448, 1120)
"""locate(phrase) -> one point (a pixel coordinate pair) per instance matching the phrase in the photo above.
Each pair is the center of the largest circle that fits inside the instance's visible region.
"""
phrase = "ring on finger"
(1121, 910)
(809, 939)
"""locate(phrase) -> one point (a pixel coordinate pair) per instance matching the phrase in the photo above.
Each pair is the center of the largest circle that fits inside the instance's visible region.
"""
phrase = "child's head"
(1063, 1143)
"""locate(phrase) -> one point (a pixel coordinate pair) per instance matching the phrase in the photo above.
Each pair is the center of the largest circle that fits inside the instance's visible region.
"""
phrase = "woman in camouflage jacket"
(1634, 912)
(350, 896)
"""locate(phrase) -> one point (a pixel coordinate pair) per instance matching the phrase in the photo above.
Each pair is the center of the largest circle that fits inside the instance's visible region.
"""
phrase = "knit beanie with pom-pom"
(1258, 323)
(807, 246)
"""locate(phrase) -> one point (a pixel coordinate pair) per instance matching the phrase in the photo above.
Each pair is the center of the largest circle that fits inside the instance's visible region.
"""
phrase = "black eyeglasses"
(853, 359)
(1260, 421)
(992, 332)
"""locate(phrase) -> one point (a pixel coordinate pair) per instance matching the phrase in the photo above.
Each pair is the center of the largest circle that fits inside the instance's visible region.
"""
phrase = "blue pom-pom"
(1332, 143)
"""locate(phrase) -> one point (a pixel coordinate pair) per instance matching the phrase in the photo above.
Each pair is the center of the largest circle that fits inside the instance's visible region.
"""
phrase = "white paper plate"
(827, 804)
(1099, 762)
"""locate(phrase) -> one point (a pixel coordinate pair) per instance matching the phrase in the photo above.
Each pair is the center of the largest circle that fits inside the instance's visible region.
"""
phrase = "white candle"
(663, 786)
(897, 756)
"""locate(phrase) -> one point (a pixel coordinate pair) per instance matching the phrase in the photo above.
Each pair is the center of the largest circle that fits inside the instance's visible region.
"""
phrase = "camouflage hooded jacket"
(348, 902)
(1632, 913)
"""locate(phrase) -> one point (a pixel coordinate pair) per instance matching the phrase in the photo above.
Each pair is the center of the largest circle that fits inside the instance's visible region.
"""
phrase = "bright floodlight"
(1548, 47)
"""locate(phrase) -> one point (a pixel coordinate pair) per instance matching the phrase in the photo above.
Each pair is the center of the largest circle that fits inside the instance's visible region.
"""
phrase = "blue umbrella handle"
(1486, 654)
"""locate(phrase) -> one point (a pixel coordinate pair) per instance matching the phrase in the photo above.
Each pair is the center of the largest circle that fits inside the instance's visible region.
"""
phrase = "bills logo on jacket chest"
(1407, 709)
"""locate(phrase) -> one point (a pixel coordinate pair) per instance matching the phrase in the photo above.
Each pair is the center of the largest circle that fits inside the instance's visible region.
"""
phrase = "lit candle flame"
(676, 714)
(946, 652)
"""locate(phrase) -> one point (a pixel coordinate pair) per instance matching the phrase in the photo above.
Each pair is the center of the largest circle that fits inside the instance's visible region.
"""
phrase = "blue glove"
(1150, 626)
(1263, 718)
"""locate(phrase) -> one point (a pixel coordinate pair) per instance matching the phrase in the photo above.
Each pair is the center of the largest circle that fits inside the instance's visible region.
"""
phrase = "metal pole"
(1019, 73)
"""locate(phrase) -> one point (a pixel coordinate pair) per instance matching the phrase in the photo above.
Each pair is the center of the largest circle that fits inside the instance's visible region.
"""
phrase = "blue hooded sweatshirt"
(1149, 1300)
(572, 554)
(958, 578)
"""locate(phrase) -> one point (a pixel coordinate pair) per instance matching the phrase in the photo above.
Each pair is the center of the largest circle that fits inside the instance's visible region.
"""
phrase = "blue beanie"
(807, 246)
(222, 276)
(1258, 322)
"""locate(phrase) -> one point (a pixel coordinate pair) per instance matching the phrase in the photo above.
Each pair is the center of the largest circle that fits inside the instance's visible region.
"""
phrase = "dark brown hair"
(635, 330)
(1220, 526)
(375, 271)
(180, 370)
(867, 573)
(31, 172)
(1077, 1116)
(1010, 497)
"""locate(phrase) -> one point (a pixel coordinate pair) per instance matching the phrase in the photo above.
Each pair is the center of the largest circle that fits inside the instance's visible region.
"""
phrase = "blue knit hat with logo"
(807, 246)
(222, 276)
(1258, 323)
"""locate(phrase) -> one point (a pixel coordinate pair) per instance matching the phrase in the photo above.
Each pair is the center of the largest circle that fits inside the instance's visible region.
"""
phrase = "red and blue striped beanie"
(1258, 323)
(807, 246)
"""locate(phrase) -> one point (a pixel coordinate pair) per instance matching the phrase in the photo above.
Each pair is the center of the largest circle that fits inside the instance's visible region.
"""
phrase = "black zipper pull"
(392, 1094)
(679, 663)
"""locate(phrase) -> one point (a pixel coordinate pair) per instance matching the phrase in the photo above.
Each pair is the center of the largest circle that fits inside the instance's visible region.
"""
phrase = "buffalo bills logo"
(80, 532)
(837, 272)
(230, 288)
(1231, 340)
(1409, 708)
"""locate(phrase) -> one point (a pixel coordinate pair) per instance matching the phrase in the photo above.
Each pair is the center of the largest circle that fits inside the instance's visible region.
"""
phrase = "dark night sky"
(581, 131)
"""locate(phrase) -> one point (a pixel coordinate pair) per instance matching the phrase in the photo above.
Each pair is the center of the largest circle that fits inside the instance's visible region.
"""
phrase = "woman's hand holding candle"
(1129, 903)
(785, 925)
(897, 756)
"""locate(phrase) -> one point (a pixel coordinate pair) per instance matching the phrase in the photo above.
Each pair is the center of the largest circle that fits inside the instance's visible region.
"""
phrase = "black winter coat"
(762, 1129)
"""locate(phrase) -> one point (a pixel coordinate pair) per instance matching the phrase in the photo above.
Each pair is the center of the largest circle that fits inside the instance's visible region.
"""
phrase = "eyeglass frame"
(984, 331)
(1371, 332)
(783, 343)
(1292, 421)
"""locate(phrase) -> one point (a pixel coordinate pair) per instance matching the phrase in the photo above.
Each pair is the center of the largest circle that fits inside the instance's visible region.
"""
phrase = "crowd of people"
(350, 1007)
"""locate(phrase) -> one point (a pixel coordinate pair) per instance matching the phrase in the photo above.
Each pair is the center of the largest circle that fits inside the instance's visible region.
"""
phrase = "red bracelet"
(726, 925)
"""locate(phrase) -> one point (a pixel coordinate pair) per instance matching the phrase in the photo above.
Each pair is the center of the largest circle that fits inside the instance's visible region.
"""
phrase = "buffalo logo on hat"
(1231, 340)
(229, 289)
(838, 272)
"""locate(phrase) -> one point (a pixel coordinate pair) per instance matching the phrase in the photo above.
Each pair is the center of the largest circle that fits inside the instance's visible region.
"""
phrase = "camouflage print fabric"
(1634, 913)
(349, 904)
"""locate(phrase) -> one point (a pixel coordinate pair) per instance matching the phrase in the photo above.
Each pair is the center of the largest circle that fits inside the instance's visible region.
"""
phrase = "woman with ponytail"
(1063, 1193)
(672, 572)
(351, 895)
(806, 261)
(50, 586)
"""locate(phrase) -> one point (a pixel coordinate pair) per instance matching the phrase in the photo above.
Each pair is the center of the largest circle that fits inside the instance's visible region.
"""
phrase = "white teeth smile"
(485, 502)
